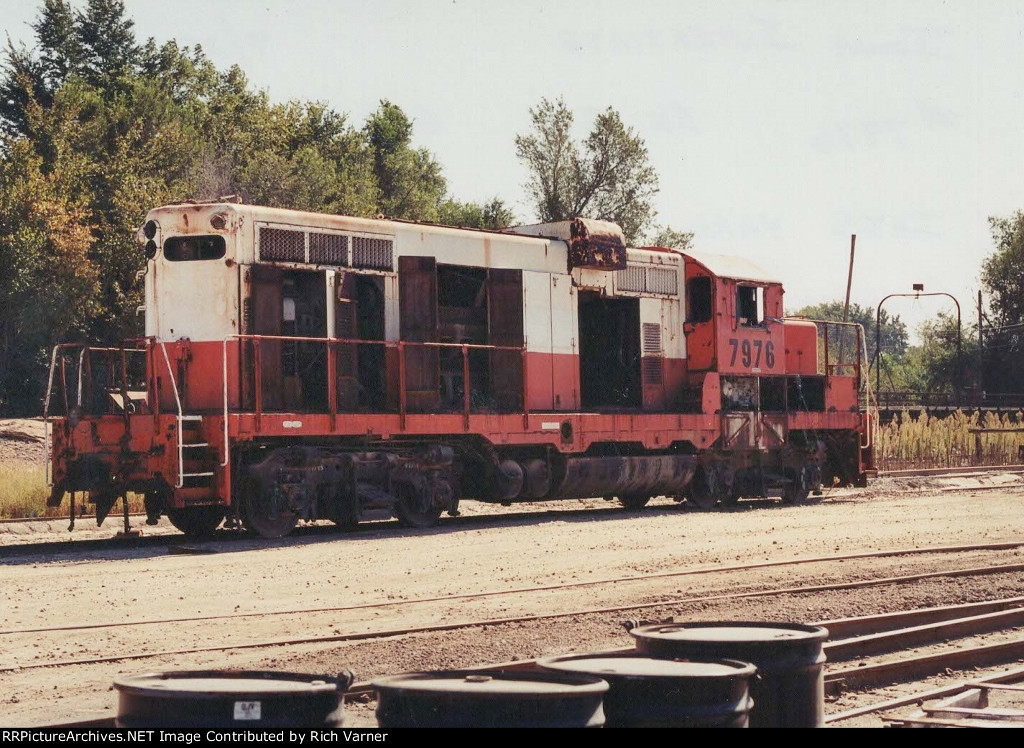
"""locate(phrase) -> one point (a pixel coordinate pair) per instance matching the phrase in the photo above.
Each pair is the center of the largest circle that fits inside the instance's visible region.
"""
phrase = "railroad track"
(64, 631)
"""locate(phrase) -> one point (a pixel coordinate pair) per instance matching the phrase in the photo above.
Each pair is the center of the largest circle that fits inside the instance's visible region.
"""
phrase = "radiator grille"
(662, 280)
(641, 279)
(368, 252)
(282, 245)
(328, 249)
(630, 279)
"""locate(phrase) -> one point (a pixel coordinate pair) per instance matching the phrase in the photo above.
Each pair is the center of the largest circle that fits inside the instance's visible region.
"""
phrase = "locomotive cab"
(765, 375)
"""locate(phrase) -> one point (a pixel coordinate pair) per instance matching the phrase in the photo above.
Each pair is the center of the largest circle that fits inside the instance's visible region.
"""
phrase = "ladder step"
(190, 418)
(197, 475)
(196, 445)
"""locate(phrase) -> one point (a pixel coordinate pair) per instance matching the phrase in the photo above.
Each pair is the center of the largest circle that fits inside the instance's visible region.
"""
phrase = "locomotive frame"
(300, 366)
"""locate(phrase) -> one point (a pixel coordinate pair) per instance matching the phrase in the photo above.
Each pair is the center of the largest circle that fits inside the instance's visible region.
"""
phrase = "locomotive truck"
(300, 367)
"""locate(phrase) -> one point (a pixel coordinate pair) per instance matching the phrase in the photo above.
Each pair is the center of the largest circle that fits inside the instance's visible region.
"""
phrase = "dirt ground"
(21, 439)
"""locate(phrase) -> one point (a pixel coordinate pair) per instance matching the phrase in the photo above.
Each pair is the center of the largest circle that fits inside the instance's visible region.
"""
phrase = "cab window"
(749, 302)
(698, 299)
(185, 248)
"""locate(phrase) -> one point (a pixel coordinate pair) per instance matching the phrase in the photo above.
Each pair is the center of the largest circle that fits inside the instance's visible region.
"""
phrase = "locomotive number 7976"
(750, 352)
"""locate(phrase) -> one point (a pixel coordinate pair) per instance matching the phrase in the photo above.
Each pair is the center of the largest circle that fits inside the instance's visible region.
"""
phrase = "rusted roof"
(592, 243)
(728, 266)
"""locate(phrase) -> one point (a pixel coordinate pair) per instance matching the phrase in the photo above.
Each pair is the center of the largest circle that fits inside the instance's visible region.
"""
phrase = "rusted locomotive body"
(299, 366)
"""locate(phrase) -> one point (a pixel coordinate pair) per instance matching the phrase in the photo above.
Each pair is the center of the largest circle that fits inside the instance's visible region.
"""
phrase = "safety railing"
(115, 387)
(842, 351)
(332, 346)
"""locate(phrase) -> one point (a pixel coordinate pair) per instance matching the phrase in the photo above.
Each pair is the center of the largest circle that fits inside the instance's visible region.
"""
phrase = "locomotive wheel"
(260, 513)
(703, 489)
(414, 508)
(198, 521)
(797, 491)
(634, 501)
(733, 499)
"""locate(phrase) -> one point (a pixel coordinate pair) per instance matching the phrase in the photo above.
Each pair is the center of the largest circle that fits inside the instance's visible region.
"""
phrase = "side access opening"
(288, 306)
(471, 320)
(360, 367)
(610, 352)
(293, 373)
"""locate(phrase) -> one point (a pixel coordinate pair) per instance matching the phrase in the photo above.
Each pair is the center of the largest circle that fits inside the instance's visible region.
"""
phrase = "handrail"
(224, 377)
(85, 349)
(332, 343)
(180, 417)
(46, 417)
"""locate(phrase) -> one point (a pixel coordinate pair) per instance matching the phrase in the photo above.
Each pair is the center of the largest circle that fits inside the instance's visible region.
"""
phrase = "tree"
(107, 40)
(410, 182)
(607, 176)
(22, 81)
(48, 283)
(491, 215)
(668, 237)
(894, 336)
(1002, 276)
(1002, 272)
(943, 355)
(60, 43)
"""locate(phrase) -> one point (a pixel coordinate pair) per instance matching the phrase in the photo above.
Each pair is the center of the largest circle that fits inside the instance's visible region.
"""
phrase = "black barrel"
(230, 698)
(650, 692)
(789, 690)
(490, 698)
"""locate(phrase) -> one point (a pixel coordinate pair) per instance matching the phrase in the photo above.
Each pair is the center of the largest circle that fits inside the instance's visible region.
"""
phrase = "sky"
(779, 128)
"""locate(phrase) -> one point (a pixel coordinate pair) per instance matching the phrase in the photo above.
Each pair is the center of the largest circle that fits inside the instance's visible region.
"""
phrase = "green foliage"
(945, 355)
(21, 84)
(607, 176)
(666, 236)
(106, 40)
(60, 45)
(894, 336)
(48, 282)
(409, 181)
(492, 215)
(1002, 273)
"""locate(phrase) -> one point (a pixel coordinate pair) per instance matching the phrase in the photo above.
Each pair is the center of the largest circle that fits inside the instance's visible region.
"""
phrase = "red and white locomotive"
(299, 366)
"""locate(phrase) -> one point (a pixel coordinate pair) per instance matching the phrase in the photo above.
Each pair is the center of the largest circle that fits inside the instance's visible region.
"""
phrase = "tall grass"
(23, 494)
(957, 440)
(23, 490)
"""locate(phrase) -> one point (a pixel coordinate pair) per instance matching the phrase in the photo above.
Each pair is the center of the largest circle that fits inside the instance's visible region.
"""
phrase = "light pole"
(918, 293)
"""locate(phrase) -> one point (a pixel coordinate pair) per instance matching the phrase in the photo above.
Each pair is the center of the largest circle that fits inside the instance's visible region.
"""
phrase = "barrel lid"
(648, 667)
(211, 682)
(494, 682)
(732, 631)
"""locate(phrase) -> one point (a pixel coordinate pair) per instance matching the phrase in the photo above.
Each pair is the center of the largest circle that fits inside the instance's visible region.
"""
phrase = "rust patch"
(596, 245)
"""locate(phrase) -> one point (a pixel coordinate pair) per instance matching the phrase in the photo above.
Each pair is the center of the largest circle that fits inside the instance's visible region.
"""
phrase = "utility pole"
(981, 353)
(846, 307)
